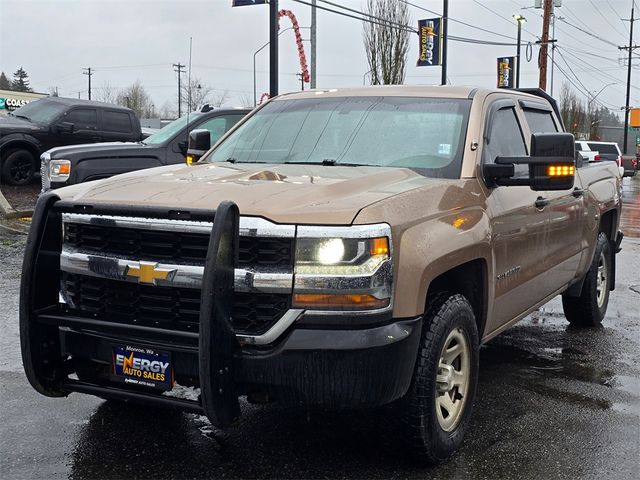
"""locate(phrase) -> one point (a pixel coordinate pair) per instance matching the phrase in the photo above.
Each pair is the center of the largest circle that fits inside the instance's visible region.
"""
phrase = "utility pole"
(445, 15)
(273, 48)
(179, 69)
(87, 71)
(631, 47)
(314, 27)
(553, 46)
(544, 43)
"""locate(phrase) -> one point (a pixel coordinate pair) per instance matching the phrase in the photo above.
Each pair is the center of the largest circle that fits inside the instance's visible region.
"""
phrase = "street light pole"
(519, 20)
(255, 93)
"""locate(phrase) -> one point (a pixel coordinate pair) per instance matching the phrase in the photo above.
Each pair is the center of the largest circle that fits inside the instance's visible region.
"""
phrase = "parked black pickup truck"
(81, 163)
(53, 121)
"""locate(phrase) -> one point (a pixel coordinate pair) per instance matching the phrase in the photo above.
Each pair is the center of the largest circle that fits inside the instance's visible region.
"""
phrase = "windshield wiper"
(22, 116)
(330, 162)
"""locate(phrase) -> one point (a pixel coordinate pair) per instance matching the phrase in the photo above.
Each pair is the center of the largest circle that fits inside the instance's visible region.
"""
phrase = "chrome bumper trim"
(249, 226)
(184, 276)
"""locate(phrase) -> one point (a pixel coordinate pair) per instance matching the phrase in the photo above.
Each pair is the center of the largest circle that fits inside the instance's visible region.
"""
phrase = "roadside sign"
(244, 3)
(430, 44)
(634, 117)
(506, 72)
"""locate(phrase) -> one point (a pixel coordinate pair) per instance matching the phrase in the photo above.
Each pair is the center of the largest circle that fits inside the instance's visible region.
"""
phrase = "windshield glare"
(424, 134)
(168, 131)
(40, 111)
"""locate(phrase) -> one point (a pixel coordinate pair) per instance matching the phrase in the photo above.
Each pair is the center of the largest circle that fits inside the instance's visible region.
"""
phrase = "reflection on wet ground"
(630, 221)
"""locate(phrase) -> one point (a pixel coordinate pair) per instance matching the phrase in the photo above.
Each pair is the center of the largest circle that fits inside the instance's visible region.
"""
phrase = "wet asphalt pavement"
(553, 402)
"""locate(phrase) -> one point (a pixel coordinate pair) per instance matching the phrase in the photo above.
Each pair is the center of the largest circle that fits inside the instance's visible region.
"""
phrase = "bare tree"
(195, 94)
(168, 110)
(245, 100)
(219, 98)
(106, 93)
(386, 42)
(574, 114)
(136, 98)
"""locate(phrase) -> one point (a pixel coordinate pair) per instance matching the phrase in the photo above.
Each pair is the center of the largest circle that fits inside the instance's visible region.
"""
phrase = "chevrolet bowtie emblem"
(148, 273)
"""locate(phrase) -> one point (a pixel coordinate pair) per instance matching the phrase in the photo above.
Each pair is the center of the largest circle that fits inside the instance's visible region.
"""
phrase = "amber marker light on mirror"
(189, 159)
(338, 301)
(560, 170)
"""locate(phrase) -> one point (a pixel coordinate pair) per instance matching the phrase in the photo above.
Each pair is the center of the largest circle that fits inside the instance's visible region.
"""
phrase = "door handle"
(578, 192)
(541, 203)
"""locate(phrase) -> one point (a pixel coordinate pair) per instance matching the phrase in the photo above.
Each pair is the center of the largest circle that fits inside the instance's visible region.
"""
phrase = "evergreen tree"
(5, 84)
(21, 81)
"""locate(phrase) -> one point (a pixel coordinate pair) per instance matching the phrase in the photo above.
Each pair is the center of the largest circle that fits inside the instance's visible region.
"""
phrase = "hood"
(311, 194)
(9, 124)
(99, 149)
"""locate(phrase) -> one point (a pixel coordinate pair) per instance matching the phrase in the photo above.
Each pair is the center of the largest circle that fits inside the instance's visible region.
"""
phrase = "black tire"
(589, 309)
(416, 414)
(18, 167)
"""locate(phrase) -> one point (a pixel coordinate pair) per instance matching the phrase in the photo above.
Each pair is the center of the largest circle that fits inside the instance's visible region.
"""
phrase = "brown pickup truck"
(336, 249)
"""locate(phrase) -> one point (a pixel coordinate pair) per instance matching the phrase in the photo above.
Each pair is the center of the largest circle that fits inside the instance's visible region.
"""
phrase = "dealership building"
(10, 100)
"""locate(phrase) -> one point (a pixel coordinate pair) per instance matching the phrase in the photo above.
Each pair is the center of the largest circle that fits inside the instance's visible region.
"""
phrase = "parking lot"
(553, 402)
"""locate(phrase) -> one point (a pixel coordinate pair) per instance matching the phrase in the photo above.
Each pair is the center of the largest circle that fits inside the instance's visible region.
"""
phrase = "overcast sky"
(133, 40)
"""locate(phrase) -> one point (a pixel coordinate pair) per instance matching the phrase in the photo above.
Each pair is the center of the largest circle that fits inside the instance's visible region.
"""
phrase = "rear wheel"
(434, 414)
(589, 309)
(18, 167)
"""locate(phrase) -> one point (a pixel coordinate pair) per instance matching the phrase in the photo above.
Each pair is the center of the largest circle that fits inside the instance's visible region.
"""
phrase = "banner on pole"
(506, 72)
(243, 3)
(430, 38)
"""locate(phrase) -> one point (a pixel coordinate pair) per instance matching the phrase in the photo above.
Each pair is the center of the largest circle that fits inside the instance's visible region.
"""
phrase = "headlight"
(343, 268)
(59, 170)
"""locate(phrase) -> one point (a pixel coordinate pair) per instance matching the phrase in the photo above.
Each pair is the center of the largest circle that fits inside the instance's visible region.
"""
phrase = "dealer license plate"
(143, 367)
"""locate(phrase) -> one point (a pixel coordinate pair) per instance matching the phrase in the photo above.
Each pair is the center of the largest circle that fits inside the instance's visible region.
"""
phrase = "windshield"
(424, 134)
(168, 131)
(40, 111)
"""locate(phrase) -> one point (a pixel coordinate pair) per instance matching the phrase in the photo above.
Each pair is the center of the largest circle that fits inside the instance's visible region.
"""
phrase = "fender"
(29, 141)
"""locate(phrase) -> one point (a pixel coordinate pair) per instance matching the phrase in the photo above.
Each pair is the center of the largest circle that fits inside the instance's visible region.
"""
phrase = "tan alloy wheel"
(452, 379)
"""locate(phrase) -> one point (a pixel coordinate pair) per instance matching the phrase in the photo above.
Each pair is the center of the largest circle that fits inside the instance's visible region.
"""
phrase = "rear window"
(540, 121)
(116, 122)
(579, 147)
(605, 148)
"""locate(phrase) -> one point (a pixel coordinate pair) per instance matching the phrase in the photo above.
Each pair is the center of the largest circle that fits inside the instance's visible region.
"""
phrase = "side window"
(83, 118)
(116, 122)
(506, 140)
(540, 121)
(218, 126)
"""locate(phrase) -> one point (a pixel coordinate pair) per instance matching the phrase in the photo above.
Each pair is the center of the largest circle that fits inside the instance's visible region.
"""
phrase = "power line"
(564, 20)
(458, 21)
(510, 21)
(605, 18)
(617, 15)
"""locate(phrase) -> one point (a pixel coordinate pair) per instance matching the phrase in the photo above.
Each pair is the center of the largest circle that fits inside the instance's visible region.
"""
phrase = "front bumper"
(337, 367)
(332, 369)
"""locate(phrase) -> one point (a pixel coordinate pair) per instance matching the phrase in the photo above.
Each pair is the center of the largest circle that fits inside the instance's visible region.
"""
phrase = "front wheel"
(18, 167)
(434, 414)
(589, 309)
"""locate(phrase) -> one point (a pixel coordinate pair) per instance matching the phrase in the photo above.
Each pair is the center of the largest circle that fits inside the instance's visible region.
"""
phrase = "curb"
(6, 210)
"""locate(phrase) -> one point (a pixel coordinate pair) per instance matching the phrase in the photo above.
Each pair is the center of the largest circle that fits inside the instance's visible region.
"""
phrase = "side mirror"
(552, 164)
(65, 128)
(199, 143)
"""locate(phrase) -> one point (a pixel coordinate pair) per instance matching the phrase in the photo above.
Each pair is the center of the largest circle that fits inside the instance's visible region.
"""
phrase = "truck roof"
(78, 101)
(442, 91)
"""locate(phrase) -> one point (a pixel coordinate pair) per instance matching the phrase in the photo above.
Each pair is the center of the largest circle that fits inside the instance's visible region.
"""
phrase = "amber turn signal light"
(189, 159)
(560, 170)
(379, 246)
(338, 301)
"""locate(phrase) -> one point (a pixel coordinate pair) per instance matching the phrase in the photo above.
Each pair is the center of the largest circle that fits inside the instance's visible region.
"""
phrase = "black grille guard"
(218, 348)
